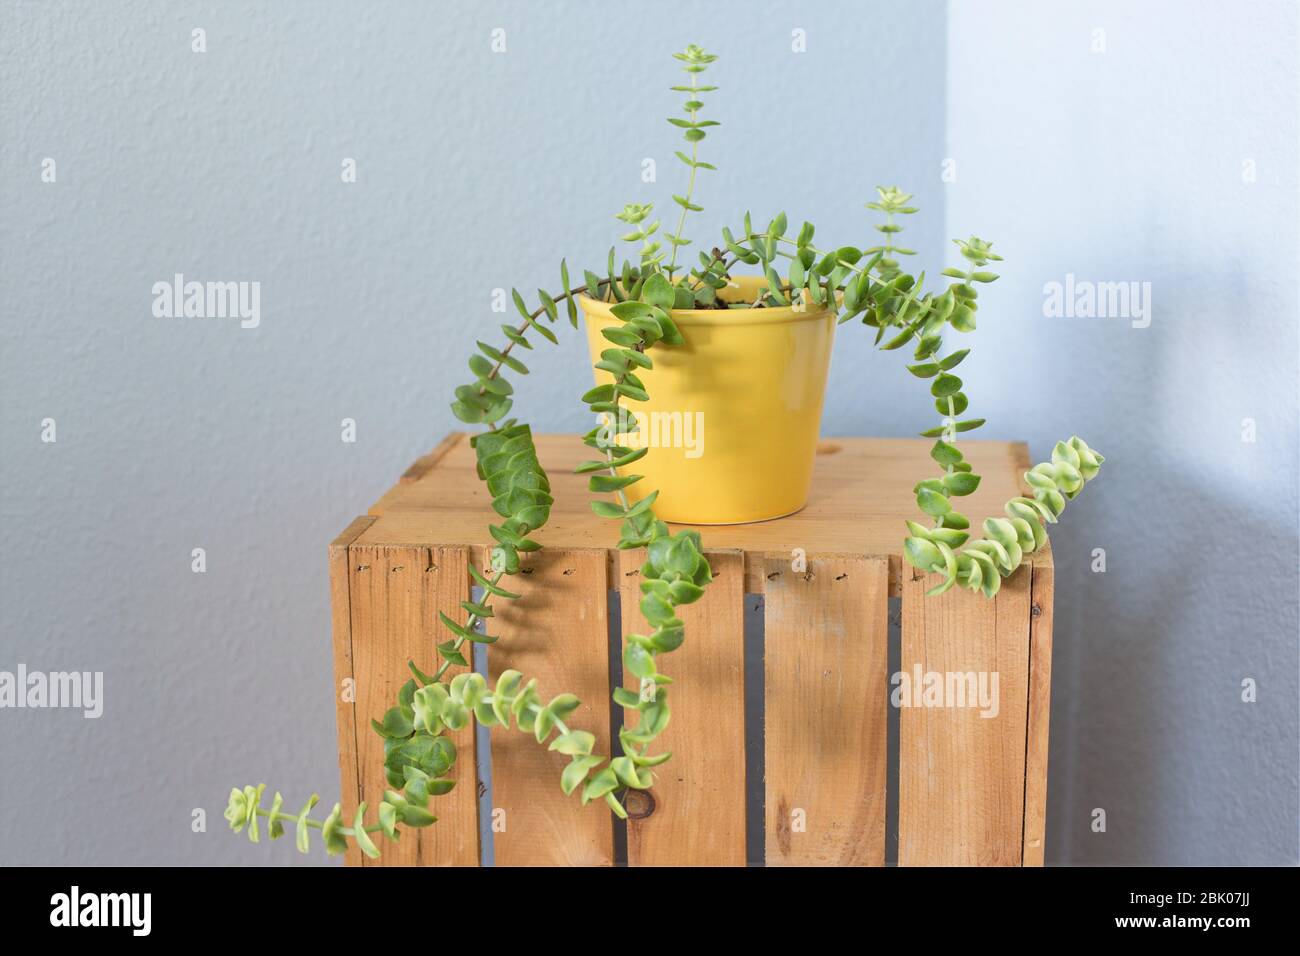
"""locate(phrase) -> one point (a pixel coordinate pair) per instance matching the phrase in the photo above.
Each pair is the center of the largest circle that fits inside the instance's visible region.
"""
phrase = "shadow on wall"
(1149, 723)
(1152, 738)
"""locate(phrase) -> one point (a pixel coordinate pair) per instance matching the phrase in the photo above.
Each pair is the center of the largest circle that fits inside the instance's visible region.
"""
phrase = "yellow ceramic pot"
(732, 422)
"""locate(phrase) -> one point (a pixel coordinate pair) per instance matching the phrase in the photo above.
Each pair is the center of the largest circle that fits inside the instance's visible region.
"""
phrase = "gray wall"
(479, 170)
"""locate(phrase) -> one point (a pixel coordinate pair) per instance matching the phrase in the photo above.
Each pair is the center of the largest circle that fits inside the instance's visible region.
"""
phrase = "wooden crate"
(971, 789)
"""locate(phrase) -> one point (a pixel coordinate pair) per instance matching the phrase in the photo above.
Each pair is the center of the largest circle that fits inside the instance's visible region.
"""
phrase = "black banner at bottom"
(396, 908)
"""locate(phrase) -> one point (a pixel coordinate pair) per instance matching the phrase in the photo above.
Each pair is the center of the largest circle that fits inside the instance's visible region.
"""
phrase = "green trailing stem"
(867, 284)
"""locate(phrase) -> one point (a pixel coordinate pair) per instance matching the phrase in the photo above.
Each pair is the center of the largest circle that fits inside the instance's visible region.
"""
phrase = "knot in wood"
(639, 804)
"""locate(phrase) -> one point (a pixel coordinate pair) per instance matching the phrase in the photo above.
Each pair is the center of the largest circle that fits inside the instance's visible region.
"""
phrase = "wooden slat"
(426, 463)
(344, 679)
(1040, 700)
(861, 491)
(698, 815)
(396, 595)
(825, 660)
(962, 776)
(558, 633)
(422, 468)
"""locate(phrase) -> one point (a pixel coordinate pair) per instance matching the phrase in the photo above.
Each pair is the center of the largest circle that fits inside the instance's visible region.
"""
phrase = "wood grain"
(825, 663)
(426, 463)
(962, 775)
(1039, 717)
(344, 679)
(396, 595)
(698, 815)
(558, 633)
(861, 491)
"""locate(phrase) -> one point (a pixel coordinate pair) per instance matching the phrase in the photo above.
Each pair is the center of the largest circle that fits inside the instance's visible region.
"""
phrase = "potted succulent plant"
(767, 301)
(730, 416)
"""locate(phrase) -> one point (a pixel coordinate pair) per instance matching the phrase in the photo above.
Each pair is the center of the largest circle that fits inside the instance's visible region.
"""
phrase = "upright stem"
(690, 184)
(889, 235)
